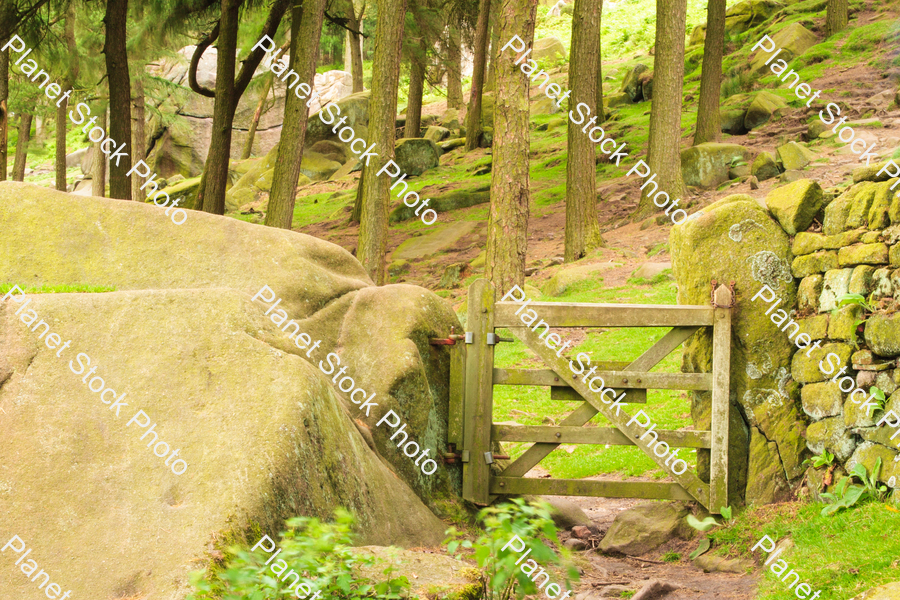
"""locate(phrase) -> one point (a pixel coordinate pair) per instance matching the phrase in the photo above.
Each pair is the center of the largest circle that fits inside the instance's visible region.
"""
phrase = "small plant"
(671, 557)
(320, 552)
(878, 394)
(704, 525)
(500, 577)
(846, 494)
(857, 299)
(826, 459)
(628, 593)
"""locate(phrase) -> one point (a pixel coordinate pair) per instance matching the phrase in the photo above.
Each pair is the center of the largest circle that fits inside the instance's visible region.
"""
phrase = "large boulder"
(764, 167)
(646, 527)
(736, 240)
(793, 41)
(793, 156)
(706, 165)
(549, 48)
(322, 287)
(631, 85)
(796, 204)
(740, 17)
(263, 433)
(414, 156)
(763, 107)
(355, 107)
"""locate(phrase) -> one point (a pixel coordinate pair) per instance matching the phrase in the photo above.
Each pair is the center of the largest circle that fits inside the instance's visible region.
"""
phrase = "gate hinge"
(450, 340)
(493, 339)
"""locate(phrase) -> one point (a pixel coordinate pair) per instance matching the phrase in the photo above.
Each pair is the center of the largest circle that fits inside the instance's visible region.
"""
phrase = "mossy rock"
(646, 527)
(888, 591)
(317, 167)
(842, 325)
(763, 107)
(863, 254)
(355, 107)
(815, 327)
(770, 484)
(879, 213)
(861, 280)
(870, 173)
(551, 48)
(883, 334)
(835, 286)
(831, 434)
(764, 166)
(808, 293)
(837, 211)
(794, 156)
(617, 99)
(821, 400)
(732, 121)
(436, 576)
(795, 205)
(805, 365)
(867, 454)
(631, 84)
(862, 203)
(453, 200)
(187, 189)
(436, 133)
(416, 155)
(735, 239)
(706, 165)
(818, 262)
(793, 41)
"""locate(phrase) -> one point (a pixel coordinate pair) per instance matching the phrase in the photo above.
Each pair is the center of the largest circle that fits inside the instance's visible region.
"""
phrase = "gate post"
(479, 401)
(721, 400)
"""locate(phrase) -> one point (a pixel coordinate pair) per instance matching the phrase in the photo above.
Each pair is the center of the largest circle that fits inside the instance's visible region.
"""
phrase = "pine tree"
(119, 94)
(664, 154)
(25, 119)
(482, 36)
(375, 192)
(835, 17)
(510, 196)
(582, 228)
(709, 126)
(306, 24)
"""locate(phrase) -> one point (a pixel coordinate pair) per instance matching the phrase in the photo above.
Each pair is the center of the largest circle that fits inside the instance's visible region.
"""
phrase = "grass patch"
(60, 289)
(842, 555)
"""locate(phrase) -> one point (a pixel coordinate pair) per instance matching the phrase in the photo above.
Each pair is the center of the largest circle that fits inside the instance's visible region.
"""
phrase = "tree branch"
(195, 61)
(248, 65)
(342, 22)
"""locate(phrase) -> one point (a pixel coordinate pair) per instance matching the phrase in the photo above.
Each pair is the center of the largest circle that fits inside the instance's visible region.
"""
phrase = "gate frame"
(473, 376)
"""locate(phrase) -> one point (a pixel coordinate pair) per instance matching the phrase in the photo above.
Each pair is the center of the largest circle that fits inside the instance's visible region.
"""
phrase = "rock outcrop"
(266, 433)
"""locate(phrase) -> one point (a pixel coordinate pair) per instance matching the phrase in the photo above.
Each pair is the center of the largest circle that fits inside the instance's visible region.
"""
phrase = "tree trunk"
(582, 229)
(306, 24)
(454, 70)
(490, 84)
(98, 165)
(18, 173)
(416, 91)
(68, 82)
(229, 90)
(664, 153)
(119, 95)
(4, 112)
(356, 61)
(508, 223)
(835, 17)
(473, 116)
(709, 127)
(600, 111)
(138, 136)
(264, 94)
(373, 226)
(212, 194)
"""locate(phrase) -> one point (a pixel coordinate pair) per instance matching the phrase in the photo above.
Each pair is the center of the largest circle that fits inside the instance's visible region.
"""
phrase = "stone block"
(836, 284)
(764, 167)
(805, 369)
(861, 280)
(843, 323)
(794, 156)
(808, 293)
(795, 205)
(894, 255)
(830, 434)
(882, 284)
(862, 202)
(836, 213)
(863, 254)
(856, 416)
(807, 243)
(883, 334)
(821, 400)
(814, 263)
(870, 237)
(815, 327)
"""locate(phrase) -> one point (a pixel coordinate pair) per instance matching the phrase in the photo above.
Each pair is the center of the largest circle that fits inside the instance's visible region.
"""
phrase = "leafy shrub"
(319, 552)
(846, 494)
(500, 577)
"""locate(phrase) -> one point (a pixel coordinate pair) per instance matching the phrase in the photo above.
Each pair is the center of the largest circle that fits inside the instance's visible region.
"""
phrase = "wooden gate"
(473, 376)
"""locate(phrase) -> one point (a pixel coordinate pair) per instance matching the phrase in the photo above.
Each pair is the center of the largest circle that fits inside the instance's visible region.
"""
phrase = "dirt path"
(607, 576)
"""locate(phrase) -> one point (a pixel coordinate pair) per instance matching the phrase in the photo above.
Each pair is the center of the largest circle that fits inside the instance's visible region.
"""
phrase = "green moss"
(60, 289)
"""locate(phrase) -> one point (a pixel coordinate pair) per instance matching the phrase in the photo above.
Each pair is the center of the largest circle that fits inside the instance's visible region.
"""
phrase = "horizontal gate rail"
(594, 435)
(587, 487)
(567, 394)
(622, 379)
(577, 314)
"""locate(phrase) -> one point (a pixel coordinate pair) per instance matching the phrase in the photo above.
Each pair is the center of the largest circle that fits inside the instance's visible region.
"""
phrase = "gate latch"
(450, 340)
(490, 456)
